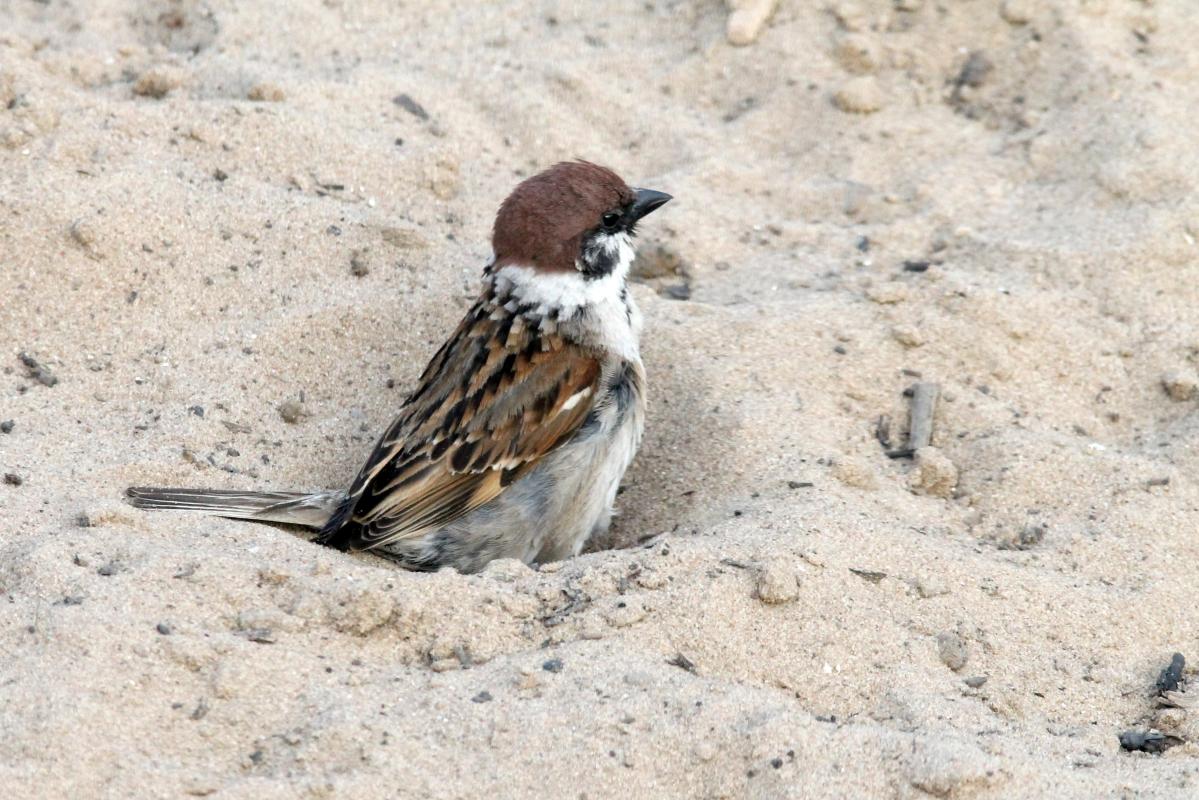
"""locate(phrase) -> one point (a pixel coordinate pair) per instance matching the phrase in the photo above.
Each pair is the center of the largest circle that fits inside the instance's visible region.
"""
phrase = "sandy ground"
(212, 210)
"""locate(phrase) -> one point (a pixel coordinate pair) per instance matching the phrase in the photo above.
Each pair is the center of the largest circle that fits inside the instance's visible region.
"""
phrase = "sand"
(231, 234)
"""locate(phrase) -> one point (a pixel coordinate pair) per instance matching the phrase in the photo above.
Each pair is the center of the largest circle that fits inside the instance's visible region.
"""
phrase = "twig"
(920, 429)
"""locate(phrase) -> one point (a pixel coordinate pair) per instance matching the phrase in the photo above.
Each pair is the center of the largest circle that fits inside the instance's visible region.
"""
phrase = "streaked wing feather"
(492, 402)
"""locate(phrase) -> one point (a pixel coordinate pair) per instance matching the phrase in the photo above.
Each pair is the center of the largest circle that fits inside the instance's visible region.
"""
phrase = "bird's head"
(575, 217)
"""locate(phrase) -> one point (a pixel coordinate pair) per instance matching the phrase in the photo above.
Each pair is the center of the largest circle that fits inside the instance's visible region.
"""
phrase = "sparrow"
(514, 442)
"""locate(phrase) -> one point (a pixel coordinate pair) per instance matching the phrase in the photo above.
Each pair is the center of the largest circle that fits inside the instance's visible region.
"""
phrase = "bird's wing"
(495, 399)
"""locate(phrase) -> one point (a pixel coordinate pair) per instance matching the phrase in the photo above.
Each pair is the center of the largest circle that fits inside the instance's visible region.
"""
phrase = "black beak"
(647, 201)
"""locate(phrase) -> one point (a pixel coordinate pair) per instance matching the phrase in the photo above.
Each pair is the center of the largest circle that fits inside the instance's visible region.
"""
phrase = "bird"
(515, 440)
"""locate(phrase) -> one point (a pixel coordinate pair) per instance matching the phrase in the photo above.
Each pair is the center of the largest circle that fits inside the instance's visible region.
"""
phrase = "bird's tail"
(295, 508)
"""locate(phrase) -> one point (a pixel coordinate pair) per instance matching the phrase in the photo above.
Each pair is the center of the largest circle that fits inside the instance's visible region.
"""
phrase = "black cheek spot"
(597, 261)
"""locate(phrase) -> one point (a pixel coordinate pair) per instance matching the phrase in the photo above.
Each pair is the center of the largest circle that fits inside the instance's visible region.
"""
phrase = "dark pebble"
(1171, 676)
(7, 426)
(359, 266)
(13, 479)
(678, 291)
(868, 575)
(220, 174)
(975, 70)
(163, 628)
(109, 569)
(553, 665)
(414, 108)
(36, 371)
(682, 662)
(800, 484)
(840, 349)
(482, 697)
(197, 410)
(975, 681)
(916, 266)
(1147, 741)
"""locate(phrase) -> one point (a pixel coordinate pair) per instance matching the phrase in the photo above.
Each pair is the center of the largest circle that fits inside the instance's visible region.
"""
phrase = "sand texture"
(232, 233)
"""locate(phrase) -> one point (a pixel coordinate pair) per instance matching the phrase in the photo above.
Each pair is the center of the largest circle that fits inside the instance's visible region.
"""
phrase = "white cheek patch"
(611, 316)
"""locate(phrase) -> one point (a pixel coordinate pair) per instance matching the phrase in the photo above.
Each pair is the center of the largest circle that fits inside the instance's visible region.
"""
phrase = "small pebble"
(975, 71)
(931, 585)
(1017, 12)
(1150, 741)
(266, 93)
(292, 411)
(855, 472)
(482, 697)
(553, 665)
(7, 426)
(13, 479)
(659, 261)
(747, 19)
(952, 650)
(1181, 384)
(908, 335)
(414, 108)
(887, 293)
(860, 95)
(850, 16)
(858, 53)
(626, 613)
(777, 583)
(975, 681)
(260, 635)
(359, 265)
(1173, 675)
(934, 473)
(163, 628)
(37, 370)
(678, 291)
(158, 82)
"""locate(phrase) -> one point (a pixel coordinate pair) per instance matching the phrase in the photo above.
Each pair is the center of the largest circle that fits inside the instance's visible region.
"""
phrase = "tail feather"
(294, 508)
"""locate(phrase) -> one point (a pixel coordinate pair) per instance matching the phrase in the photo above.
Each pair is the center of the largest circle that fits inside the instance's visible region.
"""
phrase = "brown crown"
(543, 221)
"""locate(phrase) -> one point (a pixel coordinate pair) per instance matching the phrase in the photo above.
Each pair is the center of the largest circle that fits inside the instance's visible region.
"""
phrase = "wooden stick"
(920, 428)
(924, 405)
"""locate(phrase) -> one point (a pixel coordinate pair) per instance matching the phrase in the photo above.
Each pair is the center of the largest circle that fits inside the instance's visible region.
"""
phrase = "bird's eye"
(611, 220)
